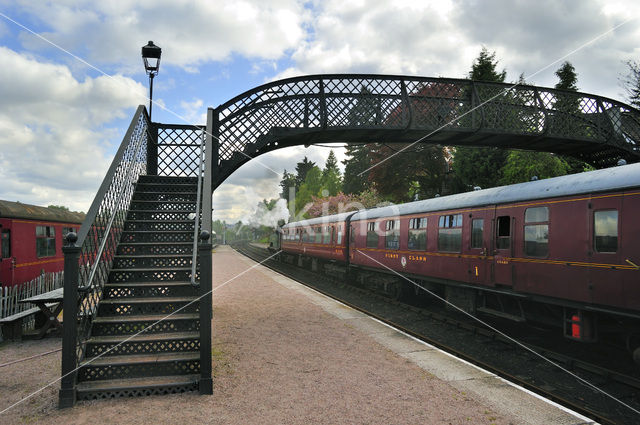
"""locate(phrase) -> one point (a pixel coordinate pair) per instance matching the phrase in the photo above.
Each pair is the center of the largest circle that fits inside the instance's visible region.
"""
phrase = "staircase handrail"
(87, 260)
(197, 218)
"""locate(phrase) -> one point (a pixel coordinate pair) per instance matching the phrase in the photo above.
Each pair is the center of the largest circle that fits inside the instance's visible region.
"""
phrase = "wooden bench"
(12, 325)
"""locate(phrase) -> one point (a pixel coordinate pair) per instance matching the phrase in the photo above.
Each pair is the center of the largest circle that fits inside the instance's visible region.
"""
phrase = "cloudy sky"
(71, 74)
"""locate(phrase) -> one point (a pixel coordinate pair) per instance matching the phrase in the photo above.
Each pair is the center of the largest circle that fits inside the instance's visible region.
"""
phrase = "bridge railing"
(255, 121)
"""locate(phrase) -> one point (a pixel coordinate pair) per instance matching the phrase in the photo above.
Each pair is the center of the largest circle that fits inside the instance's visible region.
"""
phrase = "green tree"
(287, 183)
(569, 104)
(355, 163)
(401, 175)
(522, 166)
(311, 187)
(567, 77)
(631, 83)
(484, 68)
(331, 176)
(302, 168)
(481, 166)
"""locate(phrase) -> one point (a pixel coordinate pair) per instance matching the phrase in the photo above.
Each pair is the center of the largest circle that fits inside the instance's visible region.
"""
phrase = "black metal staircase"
(137, 291)
(134, 348)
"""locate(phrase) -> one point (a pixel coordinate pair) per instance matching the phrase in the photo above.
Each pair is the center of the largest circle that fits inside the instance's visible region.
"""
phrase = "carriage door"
(6, 263)
(480, 245)
(503, 227)
(606, 283)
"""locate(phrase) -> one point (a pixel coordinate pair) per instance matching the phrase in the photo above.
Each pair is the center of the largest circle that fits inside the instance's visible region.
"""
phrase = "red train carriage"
(564, 251)
(31, 240)
(318, 239)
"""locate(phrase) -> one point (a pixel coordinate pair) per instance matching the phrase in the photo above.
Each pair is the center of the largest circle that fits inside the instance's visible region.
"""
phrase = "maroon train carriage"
(31, 239)
(316, 242)
(563, 251)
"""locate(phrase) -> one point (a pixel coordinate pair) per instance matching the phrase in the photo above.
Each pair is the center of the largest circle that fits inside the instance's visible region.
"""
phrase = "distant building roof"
(9, 209)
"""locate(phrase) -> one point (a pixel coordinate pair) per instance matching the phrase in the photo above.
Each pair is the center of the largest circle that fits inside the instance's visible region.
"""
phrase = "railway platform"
(284, 353)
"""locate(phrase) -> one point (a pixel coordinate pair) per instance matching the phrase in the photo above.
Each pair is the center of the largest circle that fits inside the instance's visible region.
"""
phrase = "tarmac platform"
(297, 356)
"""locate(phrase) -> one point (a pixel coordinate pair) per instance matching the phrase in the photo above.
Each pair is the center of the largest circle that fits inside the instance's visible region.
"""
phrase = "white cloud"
(54, 146)
(193, 32)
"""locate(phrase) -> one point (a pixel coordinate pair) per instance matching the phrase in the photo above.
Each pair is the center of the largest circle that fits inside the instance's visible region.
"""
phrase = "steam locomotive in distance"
(563, 251)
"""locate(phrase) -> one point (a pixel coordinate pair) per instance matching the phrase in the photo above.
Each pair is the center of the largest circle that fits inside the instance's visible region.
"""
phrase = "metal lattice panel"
(379, 108)
(166, 236)
(165, 197)
(174, 275)
(105, 222)
(123, 262)
(159, 226)
(150, 326)
(133, 346)
(161, 215)
(92, 372)
(156, 291)
(163, 206)
(124, 307)
(178, 150)
(155, 249)
(138, 392)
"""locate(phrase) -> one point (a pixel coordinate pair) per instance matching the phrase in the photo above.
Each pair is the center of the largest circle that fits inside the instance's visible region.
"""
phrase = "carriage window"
(605, 231)
(503, 232)
(450, 233)
(45, 241)
(372, 235)
(477, 227)
(352, 234)
(66, 230)
(417, 234)
(318, 235)
(5, 241)
(536, 232)
(326, 235)
(339, 237)
(392, 234)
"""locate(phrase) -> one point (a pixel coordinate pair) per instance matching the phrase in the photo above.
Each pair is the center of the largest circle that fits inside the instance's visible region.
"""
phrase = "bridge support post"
(67, 394)
(152, 150)
(204, 252)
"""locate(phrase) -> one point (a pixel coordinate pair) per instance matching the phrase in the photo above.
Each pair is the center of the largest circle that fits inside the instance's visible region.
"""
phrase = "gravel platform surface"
(279, 358)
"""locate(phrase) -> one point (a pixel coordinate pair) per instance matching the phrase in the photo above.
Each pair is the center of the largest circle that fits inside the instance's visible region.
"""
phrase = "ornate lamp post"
(151, 57)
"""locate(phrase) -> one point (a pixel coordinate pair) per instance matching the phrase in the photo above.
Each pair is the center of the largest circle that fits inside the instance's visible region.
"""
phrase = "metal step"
(147, 305)
(167, 188)
(155, 248)
(160, 215)
(167, 179)
(148, 289)
(151, 323)
(182, 196)
(136, 387)
(159, 226)
(155, 236)
(163, 205)
(138, 366)
(151, 261)
(117, 345)
(151, 275)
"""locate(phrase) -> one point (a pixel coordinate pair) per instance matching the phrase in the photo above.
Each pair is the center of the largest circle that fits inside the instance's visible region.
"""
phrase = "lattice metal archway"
(400, 109)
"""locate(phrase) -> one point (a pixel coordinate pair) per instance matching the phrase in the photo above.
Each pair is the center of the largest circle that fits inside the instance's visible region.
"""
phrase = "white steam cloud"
(264, 217)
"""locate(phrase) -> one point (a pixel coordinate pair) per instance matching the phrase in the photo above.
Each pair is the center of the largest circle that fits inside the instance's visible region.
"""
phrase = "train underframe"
(581, 323)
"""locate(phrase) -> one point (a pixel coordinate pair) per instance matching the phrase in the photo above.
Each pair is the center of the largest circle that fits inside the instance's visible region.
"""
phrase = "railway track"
(515, 364)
